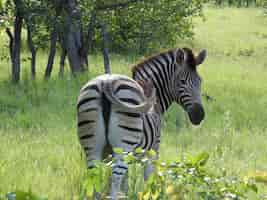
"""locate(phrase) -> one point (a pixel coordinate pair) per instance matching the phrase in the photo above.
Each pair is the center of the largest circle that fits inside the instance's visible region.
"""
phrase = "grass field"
(38, 143)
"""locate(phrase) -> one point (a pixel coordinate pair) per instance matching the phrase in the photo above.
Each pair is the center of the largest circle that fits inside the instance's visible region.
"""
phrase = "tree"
(79, 26)
(74, 37)
(16, 42)
(67, 28)
(53, 26)
(145, 24)
(16, 12)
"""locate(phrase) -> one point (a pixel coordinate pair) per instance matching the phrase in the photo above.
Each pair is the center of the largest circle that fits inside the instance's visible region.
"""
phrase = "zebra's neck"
(159, 69)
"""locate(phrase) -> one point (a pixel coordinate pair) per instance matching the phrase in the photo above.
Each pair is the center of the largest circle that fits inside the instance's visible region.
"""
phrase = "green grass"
(39, 147)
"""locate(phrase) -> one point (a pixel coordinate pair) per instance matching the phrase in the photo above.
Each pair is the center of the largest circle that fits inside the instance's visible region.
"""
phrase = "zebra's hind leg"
(150, 166)
(91, 164)
(125, 131)
(119, 175)
(149, 169)
(91, 132)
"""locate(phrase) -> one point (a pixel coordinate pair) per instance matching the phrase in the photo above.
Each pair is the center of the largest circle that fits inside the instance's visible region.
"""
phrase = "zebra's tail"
(144, 107)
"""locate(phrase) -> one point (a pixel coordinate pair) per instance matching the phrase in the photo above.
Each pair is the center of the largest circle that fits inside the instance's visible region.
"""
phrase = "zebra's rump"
(101, 123)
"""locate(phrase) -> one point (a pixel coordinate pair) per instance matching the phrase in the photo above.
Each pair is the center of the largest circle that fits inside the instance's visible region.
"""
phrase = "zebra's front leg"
(119, 175)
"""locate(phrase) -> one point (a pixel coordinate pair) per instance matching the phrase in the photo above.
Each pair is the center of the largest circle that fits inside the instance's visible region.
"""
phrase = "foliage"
(187, 178)
(38, 16)
(144, 25)
(6, 14)
(150, 24)
(190, 179)
(134, 25)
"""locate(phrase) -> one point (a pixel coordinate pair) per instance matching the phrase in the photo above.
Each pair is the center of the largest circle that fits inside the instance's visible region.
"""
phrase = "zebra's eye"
(183, 81)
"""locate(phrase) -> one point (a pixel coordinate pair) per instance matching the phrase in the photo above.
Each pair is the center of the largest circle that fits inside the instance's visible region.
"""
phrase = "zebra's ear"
(201, 57)
(180, 56)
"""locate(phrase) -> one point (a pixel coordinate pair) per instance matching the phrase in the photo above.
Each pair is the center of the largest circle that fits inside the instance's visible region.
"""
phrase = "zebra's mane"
(148, 59)
(191, 60)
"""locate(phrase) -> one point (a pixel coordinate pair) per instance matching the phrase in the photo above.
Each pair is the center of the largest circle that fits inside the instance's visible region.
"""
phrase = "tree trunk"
(62, 55)
(90, 33)
(16, 48)
(74, 38)
(239, 3)
(105, 49)
(11, 41)
(54, 37)
(32, 50)
(53, 42)
(62, 62)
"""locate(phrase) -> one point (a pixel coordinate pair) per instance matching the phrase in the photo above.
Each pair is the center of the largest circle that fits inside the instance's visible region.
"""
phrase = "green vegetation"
(185, 178)
(39, 148)
(84, 26)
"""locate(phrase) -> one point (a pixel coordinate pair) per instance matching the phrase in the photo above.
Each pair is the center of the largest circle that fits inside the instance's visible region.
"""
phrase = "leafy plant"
(187, 178)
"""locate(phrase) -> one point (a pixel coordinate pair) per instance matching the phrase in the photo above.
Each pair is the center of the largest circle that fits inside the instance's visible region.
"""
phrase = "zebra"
(118, 111)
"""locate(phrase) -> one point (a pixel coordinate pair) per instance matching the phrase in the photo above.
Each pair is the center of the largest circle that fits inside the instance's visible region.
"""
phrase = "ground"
(39, 149)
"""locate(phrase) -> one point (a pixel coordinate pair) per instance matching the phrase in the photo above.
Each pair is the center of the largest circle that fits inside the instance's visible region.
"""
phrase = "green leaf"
(201, 159)
(253, 187)
(118, 150)
(130, 158)
(151, 153)
(89, 189)
(139, 150)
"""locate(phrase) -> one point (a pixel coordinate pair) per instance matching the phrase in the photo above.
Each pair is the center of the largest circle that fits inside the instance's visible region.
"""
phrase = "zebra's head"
(188, 84)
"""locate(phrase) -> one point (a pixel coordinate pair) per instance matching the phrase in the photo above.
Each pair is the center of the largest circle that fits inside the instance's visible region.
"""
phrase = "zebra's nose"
(196, 113)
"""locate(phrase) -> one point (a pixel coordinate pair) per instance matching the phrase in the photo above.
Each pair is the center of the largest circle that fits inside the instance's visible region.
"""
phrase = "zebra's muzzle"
(196, 113)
